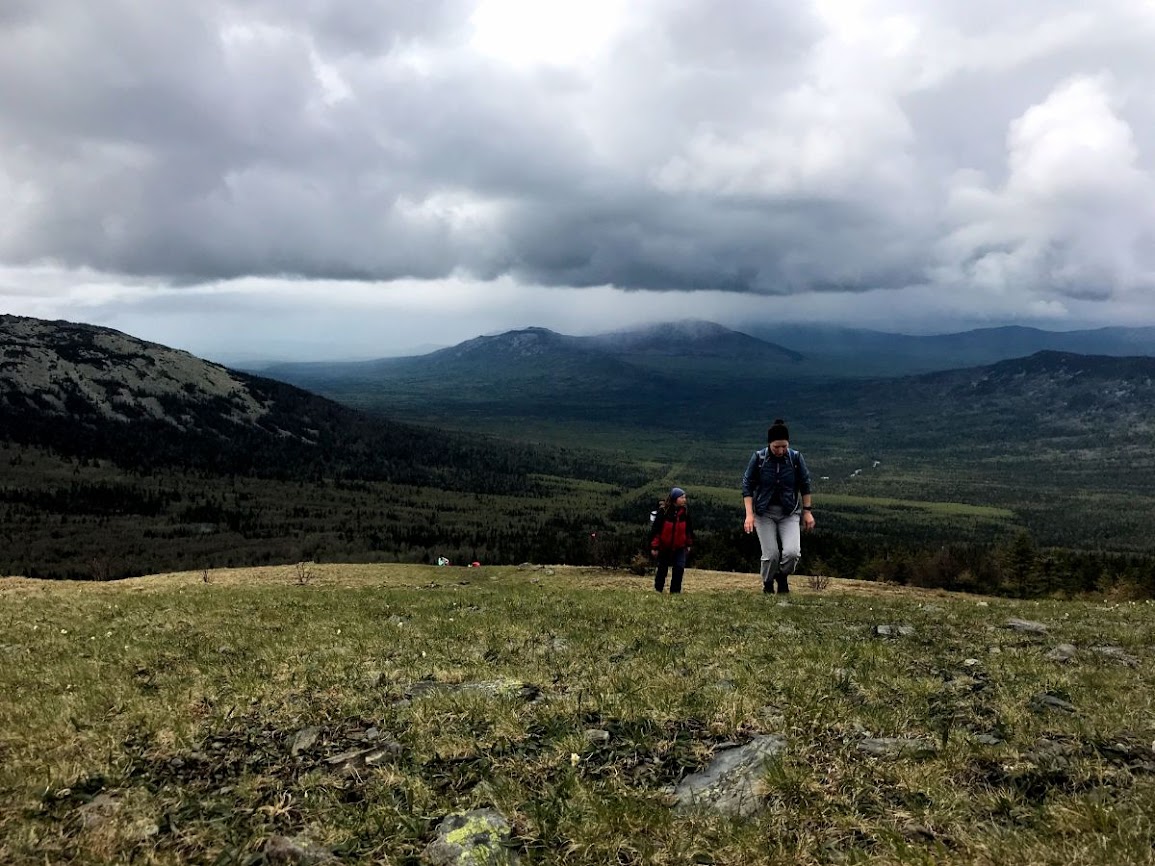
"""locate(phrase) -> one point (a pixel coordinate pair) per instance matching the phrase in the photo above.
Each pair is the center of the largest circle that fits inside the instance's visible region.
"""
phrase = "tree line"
(85, 518)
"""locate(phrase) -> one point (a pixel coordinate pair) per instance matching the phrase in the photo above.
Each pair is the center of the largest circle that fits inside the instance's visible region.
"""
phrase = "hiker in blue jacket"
(776, 492)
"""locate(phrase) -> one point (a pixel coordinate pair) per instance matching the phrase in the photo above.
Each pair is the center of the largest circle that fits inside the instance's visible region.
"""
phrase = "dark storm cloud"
(767, 147)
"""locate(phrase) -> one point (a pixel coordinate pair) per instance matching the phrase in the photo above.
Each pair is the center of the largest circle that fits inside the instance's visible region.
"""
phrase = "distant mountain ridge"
(1046, 402)
(859, 352)
(539, 366)
(1115, 392)
(811, 351)
(523, 343)
(117, 388)
(90, 391)
(638, 374)
(689, 338)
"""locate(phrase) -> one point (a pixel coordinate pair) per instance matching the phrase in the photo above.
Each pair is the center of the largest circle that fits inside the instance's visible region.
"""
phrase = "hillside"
(1064, 440)
(574, 715)
(97, 393)
(123, 456)
(94, 392)
(1048, 395)
(1061, 440)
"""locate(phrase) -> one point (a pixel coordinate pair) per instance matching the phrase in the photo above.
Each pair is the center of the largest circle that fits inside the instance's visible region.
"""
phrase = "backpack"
(650, 528)
(763, 455)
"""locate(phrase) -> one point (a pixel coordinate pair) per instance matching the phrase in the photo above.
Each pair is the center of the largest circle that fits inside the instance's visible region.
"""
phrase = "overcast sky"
(326, 179)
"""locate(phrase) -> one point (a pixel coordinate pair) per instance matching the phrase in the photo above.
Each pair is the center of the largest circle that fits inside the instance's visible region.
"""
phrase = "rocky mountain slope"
(94, 392)
(80, 371)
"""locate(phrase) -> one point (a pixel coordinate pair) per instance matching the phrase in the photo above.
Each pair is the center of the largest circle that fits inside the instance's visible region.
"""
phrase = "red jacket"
(672, 531)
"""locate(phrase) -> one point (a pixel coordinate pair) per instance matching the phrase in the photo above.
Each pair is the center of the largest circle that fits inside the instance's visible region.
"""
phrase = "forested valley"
(123, 458)
(85, 518)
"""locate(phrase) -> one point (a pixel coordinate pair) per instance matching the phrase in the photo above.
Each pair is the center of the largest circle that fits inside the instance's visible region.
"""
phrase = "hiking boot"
(783, 582)
(768, 587)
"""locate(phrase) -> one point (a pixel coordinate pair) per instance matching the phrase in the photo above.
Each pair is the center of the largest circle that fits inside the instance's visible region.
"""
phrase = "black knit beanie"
(778, 430)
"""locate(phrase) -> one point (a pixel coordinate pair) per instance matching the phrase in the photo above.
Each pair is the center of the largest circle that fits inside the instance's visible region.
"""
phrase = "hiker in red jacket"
(671, 538)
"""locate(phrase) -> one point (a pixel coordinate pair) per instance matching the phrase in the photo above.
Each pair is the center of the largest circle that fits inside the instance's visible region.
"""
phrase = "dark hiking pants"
(666, 560)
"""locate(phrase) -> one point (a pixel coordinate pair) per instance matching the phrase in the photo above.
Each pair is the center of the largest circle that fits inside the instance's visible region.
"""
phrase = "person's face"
(681, 500)
(779, 447)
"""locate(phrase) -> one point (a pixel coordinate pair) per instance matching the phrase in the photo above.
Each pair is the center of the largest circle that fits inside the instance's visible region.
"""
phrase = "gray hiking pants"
(781, 540)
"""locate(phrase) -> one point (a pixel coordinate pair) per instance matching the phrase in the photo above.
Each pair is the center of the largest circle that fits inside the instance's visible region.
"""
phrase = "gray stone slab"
(1026, 626)
(477, 838)
(898, 747)
(729, 785)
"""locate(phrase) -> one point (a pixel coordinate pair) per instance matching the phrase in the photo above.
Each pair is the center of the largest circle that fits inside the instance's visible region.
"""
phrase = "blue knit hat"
(677, 492)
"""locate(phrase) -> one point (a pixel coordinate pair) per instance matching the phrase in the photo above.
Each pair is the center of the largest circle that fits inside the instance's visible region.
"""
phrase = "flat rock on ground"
(477, 838)
(886, 630)
(1047, 701)
(299, 850)
(730, 783)
(1118, 654)
(1026, 626)
(491, 688)
(1064, 652)
(898, 747)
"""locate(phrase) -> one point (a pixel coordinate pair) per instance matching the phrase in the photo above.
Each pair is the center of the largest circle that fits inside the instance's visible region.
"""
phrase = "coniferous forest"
(1025, 478)
(81, 517)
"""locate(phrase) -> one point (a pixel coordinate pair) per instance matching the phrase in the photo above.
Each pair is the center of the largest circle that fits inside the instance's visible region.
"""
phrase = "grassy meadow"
(192, 717)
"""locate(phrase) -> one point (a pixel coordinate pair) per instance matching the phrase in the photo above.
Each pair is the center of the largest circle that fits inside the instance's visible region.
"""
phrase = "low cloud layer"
(985, 160)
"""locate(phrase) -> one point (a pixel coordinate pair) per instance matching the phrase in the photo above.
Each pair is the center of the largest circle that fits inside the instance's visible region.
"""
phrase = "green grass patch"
(191, 717)
(946, 509)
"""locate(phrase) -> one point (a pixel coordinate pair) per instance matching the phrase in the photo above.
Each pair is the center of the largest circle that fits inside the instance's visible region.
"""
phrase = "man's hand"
(807, 521)
(749, 524)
